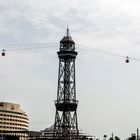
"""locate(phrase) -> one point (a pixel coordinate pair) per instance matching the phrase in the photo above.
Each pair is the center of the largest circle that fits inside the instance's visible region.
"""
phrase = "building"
(12, 117)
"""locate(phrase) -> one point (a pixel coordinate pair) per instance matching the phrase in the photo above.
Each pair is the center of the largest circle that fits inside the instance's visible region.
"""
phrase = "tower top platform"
(67, 37)
(67, 43)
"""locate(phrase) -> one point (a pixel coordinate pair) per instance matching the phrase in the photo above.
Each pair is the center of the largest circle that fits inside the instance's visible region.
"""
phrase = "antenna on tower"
(68, 33)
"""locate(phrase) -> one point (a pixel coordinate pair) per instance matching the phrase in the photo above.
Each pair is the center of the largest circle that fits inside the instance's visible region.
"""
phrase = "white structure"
(12, 118)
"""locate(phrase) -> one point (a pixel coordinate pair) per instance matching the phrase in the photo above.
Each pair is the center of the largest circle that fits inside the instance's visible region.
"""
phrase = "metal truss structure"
(66, 125)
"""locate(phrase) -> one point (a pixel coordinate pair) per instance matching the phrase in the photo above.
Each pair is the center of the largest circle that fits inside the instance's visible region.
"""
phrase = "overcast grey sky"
(107, 88)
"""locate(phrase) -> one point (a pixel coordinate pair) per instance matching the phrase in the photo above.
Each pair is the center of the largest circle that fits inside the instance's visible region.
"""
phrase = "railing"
(73, 101)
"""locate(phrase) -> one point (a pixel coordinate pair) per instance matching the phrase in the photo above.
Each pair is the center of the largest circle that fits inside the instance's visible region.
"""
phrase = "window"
(12, 107)
(1, 104)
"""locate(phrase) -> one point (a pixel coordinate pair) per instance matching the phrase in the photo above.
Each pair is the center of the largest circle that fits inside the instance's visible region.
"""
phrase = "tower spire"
(68, 33)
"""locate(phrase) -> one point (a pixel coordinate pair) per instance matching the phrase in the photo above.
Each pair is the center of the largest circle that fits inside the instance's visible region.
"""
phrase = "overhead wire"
(88, 48)
(32, 46)
(14, 46)
(99, 50)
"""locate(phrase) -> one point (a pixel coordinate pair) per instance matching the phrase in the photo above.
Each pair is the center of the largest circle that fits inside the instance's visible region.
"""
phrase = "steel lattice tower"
(66, 125)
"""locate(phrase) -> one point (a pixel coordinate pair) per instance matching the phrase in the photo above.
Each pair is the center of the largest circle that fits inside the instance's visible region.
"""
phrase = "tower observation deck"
(66, 125)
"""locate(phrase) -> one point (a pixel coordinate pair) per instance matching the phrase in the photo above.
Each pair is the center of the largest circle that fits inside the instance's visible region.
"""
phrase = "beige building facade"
(12, 117)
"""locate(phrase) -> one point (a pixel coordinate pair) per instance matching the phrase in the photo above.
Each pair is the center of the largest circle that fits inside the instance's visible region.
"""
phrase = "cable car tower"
(66, 125)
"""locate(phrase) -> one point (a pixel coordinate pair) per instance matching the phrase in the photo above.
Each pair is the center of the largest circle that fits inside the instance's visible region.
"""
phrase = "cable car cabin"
(3, 53)
(127, 59)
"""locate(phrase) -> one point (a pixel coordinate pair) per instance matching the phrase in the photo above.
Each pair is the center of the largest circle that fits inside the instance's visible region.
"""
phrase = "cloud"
(107, 24)
(29, 77)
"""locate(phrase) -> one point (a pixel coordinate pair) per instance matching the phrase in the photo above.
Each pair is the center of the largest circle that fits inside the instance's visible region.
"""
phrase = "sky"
(107, 88)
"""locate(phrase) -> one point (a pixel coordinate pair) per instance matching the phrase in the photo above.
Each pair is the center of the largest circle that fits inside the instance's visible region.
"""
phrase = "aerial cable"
(43, 45)
(31, 48)
(88, 48)
(99, 50)
(25, 44)
(13, 47)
